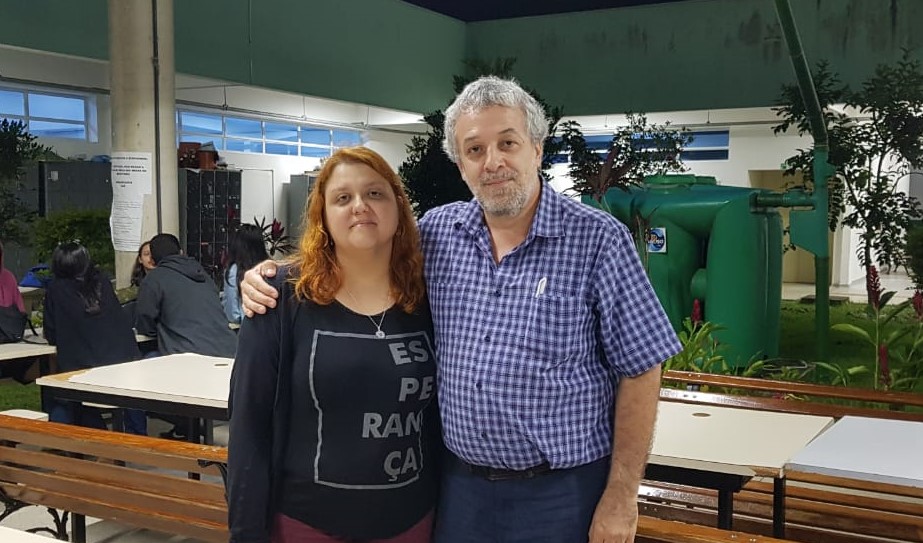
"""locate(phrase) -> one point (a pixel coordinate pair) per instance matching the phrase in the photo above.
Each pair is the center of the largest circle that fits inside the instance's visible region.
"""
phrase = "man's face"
(497, 159)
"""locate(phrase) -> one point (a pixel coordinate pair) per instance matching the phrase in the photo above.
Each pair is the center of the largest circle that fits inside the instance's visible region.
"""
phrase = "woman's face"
(360, 209)
(145, 258)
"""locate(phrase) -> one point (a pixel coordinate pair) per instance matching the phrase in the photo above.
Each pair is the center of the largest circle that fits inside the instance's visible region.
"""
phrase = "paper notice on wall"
(125, 223)
(131, 174)
(131, 180)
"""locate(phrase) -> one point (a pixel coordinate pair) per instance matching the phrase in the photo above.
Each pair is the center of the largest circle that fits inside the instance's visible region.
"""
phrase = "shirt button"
(498, 292)
(478, 385)
(487, 338)
(483, 435)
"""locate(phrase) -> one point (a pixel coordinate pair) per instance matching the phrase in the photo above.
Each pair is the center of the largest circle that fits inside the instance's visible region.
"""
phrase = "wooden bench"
(654, 530)
(871, 403)
(818, 508)
(162, 485)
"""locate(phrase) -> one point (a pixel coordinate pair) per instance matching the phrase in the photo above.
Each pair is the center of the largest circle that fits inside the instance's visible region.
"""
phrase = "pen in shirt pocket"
(540, 287)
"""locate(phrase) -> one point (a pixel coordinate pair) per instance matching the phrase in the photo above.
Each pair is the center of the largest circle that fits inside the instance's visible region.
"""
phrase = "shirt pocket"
(556, 328)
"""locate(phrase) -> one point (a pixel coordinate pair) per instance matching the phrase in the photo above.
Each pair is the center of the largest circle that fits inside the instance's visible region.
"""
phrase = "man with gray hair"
(549, 341)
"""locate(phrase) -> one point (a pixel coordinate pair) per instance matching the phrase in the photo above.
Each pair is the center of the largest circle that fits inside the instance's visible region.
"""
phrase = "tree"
(871, 155)
(431, 178)
(635, 151)
(17, 148)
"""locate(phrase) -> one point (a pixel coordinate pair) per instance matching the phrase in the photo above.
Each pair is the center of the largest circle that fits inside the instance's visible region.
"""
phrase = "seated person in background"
(245, 250)
(84, 320)
(143, 264)
(178, 302)
(128, 295)
(9, 288)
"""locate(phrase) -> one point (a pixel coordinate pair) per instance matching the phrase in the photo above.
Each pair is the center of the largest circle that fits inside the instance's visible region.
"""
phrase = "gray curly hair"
(489, 91)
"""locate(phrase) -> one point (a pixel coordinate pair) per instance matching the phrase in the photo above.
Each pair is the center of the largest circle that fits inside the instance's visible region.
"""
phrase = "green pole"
(809, 228)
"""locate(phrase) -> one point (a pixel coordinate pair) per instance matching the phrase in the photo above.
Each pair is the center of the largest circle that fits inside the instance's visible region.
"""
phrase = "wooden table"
(866, 449)
(722, 448)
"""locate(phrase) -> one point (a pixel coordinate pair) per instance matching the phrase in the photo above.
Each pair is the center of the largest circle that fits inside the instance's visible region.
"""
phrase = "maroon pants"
(288, 530)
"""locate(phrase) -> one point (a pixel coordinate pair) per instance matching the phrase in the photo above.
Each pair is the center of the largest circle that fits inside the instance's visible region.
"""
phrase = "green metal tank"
(714, 244)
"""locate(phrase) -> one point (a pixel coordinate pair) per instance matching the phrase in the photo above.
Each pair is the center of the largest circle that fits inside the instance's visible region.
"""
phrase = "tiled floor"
(898, 282)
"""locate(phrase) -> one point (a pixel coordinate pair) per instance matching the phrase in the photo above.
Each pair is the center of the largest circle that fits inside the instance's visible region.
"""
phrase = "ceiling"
(486, 10)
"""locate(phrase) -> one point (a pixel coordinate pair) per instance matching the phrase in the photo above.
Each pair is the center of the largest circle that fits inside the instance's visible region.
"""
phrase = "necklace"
(378, 331)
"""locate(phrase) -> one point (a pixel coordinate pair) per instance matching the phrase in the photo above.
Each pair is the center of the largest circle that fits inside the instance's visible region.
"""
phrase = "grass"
(14, 395)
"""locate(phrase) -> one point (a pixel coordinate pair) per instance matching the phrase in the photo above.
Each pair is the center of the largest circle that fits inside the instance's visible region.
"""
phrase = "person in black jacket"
(178, 302)
(84, 320)
(334, 425)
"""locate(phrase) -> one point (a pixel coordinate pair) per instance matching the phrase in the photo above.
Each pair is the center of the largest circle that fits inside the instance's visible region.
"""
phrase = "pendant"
(379, 334)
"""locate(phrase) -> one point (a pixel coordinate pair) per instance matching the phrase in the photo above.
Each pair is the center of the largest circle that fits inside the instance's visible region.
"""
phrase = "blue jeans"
(71, 413)
(555, 507)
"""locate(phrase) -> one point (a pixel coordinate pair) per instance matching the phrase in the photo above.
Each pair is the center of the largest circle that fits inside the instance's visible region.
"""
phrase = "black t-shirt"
(357, 463)
(331, 425)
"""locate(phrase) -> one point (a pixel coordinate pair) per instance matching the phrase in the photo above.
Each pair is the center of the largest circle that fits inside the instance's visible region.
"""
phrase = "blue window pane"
(720, 138)
(244, 146)
(599, 140)
(49, 129)
(217, 142)
(317, 136)
(707, 154)
(346, 138)
(200, 123)
(281, 149)
(245, 128)
(315, 152)
(282, 132)
(57, 107)
(11, 103)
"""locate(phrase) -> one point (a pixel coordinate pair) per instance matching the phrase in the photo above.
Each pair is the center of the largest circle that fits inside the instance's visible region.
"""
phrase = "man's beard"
(506, 201)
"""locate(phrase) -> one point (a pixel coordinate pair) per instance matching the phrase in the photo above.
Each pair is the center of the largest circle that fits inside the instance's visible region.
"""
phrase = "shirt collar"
(548, 221)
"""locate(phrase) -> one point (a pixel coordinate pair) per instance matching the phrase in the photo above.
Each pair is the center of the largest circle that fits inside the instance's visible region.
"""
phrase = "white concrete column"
(136, 52)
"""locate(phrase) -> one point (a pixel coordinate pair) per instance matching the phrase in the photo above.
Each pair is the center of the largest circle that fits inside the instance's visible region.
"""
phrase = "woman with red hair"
(334, 427)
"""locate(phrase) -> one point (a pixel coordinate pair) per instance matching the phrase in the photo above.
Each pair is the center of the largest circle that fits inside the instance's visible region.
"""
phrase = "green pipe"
(803, 73)
(809, 228)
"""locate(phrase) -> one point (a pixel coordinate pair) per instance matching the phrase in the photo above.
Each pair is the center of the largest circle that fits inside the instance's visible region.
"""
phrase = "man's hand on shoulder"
(256, 294)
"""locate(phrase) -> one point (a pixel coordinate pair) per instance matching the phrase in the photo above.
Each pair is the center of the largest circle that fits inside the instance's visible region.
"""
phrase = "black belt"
(500, 474)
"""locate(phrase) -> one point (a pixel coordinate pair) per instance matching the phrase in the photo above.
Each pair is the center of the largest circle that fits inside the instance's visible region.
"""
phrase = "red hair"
(317, 275)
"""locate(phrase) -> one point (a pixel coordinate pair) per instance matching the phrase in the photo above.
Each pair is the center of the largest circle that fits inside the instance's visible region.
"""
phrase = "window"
(252, 135)
(50, 115)
(707, 145)
(704, 145)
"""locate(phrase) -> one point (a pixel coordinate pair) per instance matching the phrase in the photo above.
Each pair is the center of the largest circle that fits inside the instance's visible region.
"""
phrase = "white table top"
(731, 440)
(10, 535)
(181, 378)
(877, 450)
(15, 351)
(38, 346)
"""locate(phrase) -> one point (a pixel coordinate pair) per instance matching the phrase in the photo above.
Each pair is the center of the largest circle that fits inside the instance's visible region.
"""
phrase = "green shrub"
(91, 228)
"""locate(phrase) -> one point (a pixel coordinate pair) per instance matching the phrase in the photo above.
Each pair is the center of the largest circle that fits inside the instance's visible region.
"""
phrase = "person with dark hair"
(178, 302)
(245, 250)
(83, 319)
(143, 264)
(334, 430)
(9, 288)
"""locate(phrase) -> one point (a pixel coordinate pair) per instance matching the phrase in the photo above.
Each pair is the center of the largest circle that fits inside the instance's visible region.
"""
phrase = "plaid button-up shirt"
(531, 349)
